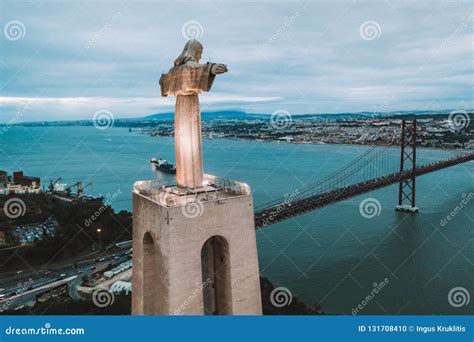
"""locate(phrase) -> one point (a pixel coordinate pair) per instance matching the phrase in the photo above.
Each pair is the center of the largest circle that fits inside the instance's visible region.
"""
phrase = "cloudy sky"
(67, 60)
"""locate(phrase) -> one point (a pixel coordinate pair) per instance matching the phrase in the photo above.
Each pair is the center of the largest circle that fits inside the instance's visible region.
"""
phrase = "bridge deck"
(285, 211)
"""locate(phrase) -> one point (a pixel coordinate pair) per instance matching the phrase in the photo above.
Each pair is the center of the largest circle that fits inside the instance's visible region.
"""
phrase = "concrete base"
(173, 243)
(407, 208)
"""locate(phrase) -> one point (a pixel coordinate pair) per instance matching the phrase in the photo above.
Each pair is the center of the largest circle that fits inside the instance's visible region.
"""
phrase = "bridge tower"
(407, 186)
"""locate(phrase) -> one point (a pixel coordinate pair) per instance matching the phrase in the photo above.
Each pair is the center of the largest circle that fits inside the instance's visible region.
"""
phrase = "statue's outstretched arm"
(219, 69)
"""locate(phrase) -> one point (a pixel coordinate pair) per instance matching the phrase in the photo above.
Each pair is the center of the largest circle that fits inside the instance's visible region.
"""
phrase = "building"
(3, 181)
(120, 268)
(32, 232)
(20, 179)
(18, 183)
(3, 177)
(121, 287)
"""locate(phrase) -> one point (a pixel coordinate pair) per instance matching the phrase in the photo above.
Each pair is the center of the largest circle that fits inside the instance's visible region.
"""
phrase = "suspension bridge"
(399, 162)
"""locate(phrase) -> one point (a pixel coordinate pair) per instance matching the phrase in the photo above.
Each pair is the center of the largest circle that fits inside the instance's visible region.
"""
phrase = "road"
(21, 289)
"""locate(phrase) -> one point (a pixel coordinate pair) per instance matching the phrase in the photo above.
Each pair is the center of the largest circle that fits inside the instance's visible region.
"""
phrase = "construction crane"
(52, 184)
(85, 187)
(79, 189)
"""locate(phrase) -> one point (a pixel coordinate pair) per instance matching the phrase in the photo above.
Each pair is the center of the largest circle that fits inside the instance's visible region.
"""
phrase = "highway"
(17, 290)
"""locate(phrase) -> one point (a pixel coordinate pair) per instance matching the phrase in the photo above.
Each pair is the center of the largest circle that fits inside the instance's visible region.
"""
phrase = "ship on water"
(163, 166)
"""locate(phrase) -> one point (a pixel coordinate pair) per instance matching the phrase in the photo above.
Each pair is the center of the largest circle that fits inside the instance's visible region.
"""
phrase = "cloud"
(307, 57)
(66, 108)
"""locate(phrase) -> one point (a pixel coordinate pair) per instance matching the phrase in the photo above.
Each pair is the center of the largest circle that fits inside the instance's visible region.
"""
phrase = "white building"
(121, 287)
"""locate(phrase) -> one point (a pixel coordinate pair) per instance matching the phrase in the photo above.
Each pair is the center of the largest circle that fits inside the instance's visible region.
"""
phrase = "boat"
(163, 166)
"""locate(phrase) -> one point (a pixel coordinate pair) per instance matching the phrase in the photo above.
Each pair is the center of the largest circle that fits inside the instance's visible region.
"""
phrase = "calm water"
(333, 255)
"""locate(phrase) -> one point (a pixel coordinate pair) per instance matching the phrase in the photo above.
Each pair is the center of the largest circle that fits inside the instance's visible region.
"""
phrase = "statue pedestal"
(194, 250)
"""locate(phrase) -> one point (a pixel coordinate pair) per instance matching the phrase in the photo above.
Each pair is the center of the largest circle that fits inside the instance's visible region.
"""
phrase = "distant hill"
(230, 114)
(239, 115)
(250, 116)
(205, 116)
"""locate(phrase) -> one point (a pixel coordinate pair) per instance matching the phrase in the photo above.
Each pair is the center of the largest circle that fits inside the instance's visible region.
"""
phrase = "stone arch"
(216, 279)
(150, 275)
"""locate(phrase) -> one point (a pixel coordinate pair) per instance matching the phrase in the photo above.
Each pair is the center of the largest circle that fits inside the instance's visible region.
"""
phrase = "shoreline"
(146, 132)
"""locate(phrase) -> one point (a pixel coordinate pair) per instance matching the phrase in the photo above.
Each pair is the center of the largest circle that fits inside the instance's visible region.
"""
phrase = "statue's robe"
(186, 82)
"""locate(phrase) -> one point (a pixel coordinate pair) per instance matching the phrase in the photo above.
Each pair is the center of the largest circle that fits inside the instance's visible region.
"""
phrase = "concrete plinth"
(194, 251)
(407, 208)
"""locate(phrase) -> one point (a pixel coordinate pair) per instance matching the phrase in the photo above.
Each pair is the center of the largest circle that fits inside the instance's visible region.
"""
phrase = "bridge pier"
(407, 208)
(407, 187)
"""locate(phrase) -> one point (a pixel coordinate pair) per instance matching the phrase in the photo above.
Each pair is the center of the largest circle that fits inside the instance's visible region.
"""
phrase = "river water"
(333, 256)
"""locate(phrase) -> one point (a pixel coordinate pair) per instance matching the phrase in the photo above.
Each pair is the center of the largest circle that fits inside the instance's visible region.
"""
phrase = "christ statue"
(186, 80)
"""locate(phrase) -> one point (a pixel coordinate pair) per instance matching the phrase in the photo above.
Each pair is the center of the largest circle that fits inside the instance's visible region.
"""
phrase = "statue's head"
(192, 52)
